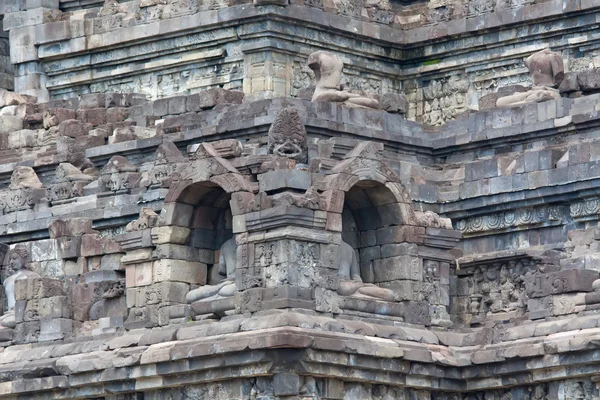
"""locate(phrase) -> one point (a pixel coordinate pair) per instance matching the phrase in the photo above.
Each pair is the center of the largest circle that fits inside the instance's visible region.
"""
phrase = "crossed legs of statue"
(357, 288)
(531, 96)
(222, 289)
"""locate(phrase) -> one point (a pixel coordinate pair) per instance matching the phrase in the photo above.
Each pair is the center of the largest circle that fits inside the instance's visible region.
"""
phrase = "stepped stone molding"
(439, 86)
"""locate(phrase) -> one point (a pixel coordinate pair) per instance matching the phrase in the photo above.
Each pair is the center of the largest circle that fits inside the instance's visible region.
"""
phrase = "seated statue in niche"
(547, 71)
(223, 277)
(351, 283)
(328, 71)
(16, 269)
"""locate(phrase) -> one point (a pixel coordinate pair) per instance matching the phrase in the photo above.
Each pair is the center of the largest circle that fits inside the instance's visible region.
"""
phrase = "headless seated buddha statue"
(223, 280)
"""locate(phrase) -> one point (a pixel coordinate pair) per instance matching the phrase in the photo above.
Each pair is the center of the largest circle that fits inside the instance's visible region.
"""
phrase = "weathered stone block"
(37, 288)
(70, 227)
(43, 250)
(27, 332)
(400, 267)
(109, 308)
(290, 178)
(177, 214)
(211, 97)
(170, 234)
(398, 234)
(542, 285)
(176, 252)
(94, 245)
(55, 329)
(399, 249)
(47, 308)
(179, 271)
(286, 384)
(10, 124)
(139, 274)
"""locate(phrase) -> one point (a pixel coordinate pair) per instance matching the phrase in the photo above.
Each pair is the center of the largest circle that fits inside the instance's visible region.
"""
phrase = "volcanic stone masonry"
(299, 199)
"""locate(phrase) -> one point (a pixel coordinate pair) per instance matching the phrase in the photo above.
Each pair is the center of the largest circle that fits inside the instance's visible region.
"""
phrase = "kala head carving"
(287, 136)
(328, 71)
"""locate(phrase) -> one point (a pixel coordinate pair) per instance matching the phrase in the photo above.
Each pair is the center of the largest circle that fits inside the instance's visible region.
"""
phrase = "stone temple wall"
(178, 220)
(424, 50)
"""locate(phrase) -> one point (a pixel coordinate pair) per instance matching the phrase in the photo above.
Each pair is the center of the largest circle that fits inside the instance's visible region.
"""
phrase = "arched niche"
(210, 222)
(369, 208)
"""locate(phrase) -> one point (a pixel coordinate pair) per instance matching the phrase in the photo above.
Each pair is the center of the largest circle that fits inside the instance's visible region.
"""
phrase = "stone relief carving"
(168, 161)
(69, 182)
(25, 191)
(578, 389)
(431, 219)
(495, 288)
(287, 136)
(546, 70)
(436, 15)
(510, 219)
(119, 175)
(146, 220)
(585, 208)
(351, 8)
(444, 99)
(476, 8)
(328, 72)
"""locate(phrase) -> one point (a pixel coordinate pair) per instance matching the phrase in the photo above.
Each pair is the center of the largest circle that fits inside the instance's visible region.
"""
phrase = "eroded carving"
(547, 71)
(287, 136)
(17, 268)
(69, 182)
(351, 283)
(222, 277)
(328, 72)
(119, 175)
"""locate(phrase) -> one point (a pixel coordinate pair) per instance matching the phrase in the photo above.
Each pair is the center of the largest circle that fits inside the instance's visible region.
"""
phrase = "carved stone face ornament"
(287, 136)
(289, 148)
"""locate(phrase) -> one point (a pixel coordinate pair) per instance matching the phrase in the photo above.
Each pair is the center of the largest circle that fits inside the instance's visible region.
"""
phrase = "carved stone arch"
(212, 169)
(377, 212)
(368, 168)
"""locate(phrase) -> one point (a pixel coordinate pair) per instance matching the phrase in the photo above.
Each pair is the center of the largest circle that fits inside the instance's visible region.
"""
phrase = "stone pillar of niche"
(31, 22)
(6, 68)
(158, 275)
(285, 253)
(268, 73)
(43, 312)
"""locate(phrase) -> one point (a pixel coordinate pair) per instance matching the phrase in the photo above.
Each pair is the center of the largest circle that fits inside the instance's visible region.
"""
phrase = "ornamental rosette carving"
(514, 219)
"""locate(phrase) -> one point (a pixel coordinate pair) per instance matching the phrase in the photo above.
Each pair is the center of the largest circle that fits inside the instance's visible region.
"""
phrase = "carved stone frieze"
(69, 182)
(119, 175)
(494, 288)
(436, 15)
(509, 219)
(586, 208)
(477, 8)
(444, 99)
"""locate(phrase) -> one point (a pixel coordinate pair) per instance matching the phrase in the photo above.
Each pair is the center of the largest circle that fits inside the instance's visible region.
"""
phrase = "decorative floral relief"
(509, 219)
